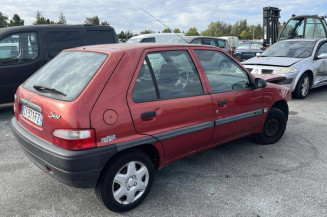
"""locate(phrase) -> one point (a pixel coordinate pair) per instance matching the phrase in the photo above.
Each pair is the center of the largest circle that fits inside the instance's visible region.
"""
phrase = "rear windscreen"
(66, 76)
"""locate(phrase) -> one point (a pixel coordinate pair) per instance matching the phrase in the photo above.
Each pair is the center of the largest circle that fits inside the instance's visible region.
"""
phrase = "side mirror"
(259, 83)
(322, 56)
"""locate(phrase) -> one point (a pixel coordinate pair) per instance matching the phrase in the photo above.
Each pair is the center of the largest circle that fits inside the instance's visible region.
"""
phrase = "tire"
(130, 176)
(302, 87)
(238, 57)
(273, 129)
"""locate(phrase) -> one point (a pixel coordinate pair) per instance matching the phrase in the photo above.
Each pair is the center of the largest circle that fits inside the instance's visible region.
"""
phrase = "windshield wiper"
(42, 88)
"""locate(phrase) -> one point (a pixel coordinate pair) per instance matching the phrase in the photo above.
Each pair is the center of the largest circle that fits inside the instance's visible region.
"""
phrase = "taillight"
(74, 139)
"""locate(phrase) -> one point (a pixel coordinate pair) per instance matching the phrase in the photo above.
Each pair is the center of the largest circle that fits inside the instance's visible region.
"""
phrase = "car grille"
(266, 71)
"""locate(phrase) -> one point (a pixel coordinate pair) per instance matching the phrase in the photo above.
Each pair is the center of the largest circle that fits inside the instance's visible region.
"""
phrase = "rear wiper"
(42, 88)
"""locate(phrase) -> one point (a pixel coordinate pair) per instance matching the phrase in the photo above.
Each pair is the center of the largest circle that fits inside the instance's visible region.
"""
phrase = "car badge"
(53, 115)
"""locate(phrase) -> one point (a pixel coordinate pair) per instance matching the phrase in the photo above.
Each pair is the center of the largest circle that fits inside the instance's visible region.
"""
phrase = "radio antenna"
(163, 24)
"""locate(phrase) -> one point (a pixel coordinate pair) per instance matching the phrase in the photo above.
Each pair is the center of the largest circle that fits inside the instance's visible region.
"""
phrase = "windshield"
(68, 74)
(295, 49)
(244, 46)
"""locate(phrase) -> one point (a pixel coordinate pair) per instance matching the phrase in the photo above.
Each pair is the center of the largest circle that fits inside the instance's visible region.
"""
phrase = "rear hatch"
(56, 102)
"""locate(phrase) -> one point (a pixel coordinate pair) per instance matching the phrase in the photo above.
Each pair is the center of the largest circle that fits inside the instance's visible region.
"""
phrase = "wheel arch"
(283, 106)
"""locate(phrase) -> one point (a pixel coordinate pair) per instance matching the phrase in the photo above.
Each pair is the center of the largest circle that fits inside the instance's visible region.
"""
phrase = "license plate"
(32, 115)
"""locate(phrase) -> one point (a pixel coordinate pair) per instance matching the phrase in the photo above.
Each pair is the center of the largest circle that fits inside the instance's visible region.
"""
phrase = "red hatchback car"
(106, 116)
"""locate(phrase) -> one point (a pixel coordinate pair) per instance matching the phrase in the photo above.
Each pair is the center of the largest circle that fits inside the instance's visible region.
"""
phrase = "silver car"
(302, 61)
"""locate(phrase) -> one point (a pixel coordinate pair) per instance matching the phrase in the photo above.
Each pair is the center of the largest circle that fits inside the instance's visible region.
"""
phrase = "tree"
(192, 31)
(167, 30)
(40, 19)
(105, 23)
(176, 30)
(147, 31)
(3, 20)
(16, 21)
(217, 29)
(125, 35)
(245, 34)
(92, 20)
(62, 19)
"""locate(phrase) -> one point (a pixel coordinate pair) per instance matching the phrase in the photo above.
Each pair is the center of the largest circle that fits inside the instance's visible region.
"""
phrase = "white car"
(302, 61)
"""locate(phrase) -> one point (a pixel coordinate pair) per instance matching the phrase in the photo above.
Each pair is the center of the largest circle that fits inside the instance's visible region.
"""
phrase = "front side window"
(293, 29)
(244, 46)
(314, 29)
(66, 76)
(223, 74)
(221, 43)
(167, 75)
(148, 40)
(322, 49)
(209, 41)
(19, 48)
(256, 46)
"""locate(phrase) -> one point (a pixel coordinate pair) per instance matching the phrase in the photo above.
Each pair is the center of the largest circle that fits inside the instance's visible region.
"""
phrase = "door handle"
(221, 103)
(148, 115)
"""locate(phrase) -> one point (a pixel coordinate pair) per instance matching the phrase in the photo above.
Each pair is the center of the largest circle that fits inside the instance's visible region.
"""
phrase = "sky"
(128, 15)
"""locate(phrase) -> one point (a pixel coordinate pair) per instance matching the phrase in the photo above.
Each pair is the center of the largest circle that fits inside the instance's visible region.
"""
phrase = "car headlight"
(285, 70)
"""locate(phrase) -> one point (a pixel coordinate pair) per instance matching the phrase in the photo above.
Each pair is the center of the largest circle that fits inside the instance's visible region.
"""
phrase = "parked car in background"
(154, 38)
(213, 41)
(247, 50)
(233, 41)
(302, 61)
(25, 49)
(138, 107)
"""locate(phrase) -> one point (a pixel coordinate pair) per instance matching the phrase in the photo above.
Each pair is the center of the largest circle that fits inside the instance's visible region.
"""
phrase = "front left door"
(238, 107)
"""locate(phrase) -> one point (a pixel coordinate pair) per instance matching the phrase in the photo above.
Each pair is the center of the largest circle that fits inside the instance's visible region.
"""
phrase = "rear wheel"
(126, 182)
(273, 129)
(302, 87)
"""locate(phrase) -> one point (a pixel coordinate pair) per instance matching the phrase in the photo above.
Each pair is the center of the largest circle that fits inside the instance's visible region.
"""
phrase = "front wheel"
(126, 182)
(273, 129)
(302, 87)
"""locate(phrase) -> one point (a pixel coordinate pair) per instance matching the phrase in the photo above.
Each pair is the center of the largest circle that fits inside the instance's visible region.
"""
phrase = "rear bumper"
(74, 168)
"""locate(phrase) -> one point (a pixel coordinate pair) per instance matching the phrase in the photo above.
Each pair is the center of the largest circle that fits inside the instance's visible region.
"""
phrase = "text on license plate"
(32, 115)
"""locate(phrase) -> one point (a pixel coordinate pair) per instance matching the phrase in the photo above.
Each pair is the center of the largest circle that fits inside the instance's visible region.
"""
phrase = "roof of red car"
(109, 48)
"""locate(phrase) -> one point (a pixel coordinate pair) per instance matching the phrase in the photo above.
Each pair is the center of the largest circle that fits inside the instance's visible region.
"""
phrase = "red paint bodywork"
(111, 89)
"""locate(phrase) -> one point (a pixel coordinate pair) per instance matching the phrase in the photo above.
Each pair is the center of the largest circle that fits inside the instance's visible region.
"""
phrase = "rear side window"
(148, 40)
(221, 43)
(19, 48)
(223, 74)
(68, 73)
(98, 37)
(60, 40)
(167, 75)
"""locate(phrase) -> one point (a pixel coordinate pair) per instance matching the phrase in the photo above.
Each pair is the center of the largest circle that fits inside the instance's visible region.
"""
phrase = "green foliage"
(147, 31)
(239, 29)
(62, 19)
(192, 32)
(40, 19)
(92, 20)
(3, 20)
(105, 23)
(125, 35)
(217, 29)
(16, 21)
(167, 30)
(176, 30)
